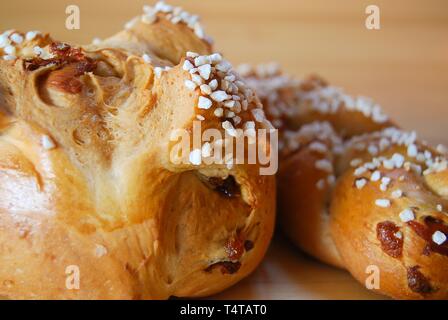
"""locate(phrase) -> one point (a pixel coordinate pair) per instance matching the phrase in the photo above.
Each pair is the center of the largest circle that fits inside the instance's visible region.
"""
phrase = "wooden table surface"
(286, 273)
(404, 66)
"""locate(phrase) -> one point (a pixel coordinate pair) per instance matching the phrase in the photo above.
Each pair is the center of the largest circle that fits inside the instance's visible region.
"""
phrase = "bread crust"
(297, 176)
(86, 178)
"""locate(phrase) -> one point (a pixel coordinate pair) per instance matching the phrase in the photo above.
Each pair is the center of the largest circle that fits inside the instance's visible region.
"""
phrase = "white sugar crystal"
(213, 84)
(190, 85)
(100, 250)
(10, 50)
(229, 104)
(192, 54)
(407, 215)
(359, 171)
(324, 165)
(197, 79)
(146, 58)
(398, 160)
(258, 115)
(228, 127)
(388, 164)
(17, 38)
(149, 18)
(199, 31)
(38, 50)
(205, 89)
(219, 112)
(47, 142)
(31, 35)
(219, 96)
(383, 203)
(360, 183)
(201, 60)
(187, 66)
(396, 194)
(398, 235)
(439, 238)
(318, 147)
(158, 72)
(4, 41)
(215, 58)
(131, 24)
(204, 103)
(249, 125)
(385, 180)
(205, 71)
(373, 150)
(9, 57)
(412, 150)
(224, 66)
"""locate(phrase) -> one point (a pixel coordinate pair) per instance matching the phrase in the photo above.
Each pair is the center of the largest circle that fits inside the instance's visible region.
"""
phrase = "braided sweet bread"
(86, 177)
(354, 190)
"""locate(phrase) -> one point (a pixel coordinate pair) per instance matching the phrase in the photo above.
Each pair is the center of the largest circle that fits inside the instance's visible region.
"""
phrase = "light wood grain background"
(404, 66)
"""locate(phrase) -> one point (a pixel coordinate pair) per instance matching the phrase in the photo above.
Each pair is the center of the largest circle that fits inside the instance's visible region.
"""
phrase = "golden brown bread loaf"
(354, 190)
(86, 177)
